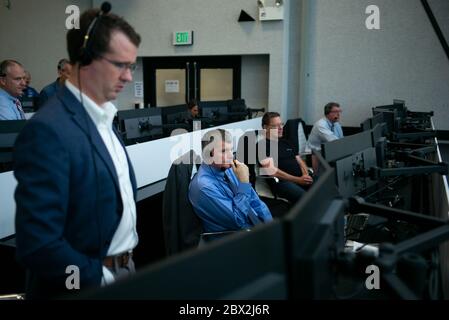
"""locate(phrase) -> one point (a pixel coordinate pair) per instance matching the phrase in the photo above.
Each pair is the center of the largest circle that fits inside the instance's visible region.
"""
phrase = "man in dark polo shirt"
(278, 157)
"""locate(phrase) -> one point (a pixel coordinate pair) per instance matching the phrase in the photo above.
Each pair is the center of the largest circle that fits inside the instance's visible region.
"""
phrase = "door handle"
(188, 80)
(195, 81)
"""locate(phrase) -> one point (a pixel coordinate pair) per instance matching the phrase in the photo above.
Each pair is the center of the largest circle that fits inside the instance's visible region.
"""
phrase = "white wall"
(255, 80)
(440, 9)
(362, 68)
(33, 32)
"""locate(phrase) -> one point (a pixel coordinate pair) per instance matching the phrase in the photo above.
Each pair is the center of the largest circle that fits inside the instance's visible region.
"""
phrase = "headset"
(86, 55)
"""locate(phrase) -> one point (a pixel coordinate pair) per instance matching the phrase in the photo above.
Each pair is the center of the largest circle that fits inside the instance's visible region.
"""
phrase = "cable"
(372, 227)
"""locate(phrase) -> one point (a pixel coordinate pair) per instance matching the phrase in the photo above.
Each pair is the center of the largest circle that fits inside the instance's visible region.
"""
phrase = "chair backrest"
(247, 152)
(182, 227)
(295, 133)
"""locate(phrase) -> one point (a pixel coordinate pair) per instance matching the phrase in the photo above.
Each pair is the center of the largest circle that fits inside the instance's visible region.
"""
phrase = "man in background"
(64, 69)
(220, 192)
(12, 84)
(291, 170)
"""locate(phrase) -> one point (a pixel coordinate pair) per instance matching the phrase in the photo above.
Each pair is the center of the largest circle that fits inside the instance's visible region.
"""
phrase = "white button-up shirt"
(125, 237)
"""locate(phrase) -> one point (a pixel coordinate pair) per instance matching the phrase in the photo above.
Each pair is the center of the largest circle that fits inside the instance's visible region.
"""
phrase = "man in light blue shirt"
(328, 128)
(220, 193)
(12, 84)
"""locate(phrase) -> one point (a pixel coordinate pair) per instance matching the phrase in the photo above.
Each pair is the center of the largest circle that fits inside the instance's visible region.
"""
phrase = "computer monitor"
(346, 146)
(377, 119)
(315, 236)
(351, 157)
(215, 111)
(244, 265)
(366, 125)
(399, 102)
(140, 125)
(237, 110)
(351, 172)
(29, 104)
(390, 118)
(174, 114)
(9, 130)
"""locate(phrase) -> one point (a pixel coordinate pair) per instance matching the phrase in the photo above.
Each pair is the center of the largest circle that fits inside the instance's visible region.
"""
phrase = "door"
(172, 81)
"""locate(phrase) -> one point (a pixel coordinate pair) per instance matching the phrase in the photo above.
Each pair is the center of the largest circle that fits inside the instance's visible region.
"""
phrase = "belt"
(120, 260)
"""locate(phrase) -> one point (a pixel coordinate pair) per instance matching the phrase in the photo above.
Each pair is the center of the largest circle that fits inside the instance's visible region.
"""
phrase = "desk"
(151, 161)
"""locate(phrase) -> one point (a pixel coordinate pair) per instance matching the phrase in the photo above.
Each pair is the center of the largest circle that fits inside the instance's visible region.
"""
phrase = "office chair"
(296, 133)
(182, 228)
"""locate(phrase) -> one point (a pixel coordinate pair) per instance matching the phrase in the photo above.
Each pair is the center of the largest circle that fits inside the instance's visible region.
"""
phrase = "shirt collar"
(215, 171)
(331, 124)
(103, 114)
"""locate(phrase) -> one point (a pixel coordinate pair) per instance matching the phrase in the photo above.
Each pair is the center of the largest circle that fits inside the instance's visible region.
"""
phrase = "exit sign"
(182, 38)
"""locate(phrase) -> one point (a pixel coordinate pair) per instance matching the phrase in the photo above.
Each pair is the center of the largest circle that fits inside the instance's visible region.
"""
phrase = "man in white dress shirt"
(326, 129)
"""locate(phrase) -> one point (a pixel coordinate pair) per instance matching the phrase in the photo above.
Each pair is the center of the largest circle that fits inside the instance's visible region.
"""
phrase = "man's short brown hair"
(100, 35)
(5, 64)
(267, 118)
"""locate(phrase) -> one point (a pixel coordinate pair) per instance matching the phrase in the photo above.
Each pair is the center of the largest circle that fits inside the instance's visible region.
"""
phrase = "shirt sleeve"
(260, 207)
(220, 210)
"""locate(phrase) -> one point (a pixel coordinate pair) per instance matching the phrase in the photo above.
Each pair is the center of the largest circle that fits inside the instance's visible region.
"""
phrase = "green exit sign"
(182, 38)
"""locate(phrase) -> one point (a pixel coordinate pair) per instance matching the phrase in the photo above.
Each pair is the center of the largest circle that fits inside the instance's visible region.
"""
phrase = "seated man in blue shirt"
(29, 92)
(220, 193)
(12, 84)
(64, 70)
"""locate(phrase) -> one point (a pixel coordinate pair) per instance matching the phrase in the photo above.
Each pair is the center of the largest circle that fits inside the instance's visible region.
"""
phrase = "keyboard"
(355, 224)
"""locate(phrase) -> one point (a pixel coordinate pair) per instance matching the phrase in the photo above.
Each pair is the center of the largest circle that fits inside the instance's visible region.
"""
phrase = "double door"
(173, 81)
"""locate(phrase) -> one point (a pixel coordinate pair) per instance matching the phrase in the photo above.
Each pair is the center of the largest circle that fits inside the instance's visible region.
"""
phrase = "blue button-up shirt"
(225, 205)
(8, 107)
(48, 91)
(324, 131)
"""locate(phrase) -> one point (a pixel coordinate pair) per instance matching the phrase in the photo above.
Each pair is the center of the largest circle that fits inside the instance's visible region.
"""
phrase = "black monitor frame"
(174, 114)
(244, 265)
(29, 104)
(214, 111)
(140, 125)
(315, 229)
(341, 148)
(9, 130)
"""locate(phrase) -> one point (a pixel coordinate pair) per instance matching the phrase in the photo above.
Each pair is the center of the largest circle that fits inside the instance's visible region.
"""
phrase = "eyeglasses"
(122, 66)
(336, 111)
(281, 125)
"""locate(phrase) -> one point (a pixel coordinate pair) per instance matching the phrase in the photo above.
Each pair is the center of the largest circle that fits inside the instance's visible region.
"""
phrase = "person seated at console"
(326, 129)
(291, 170)
(193, 110)
(220, 193)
